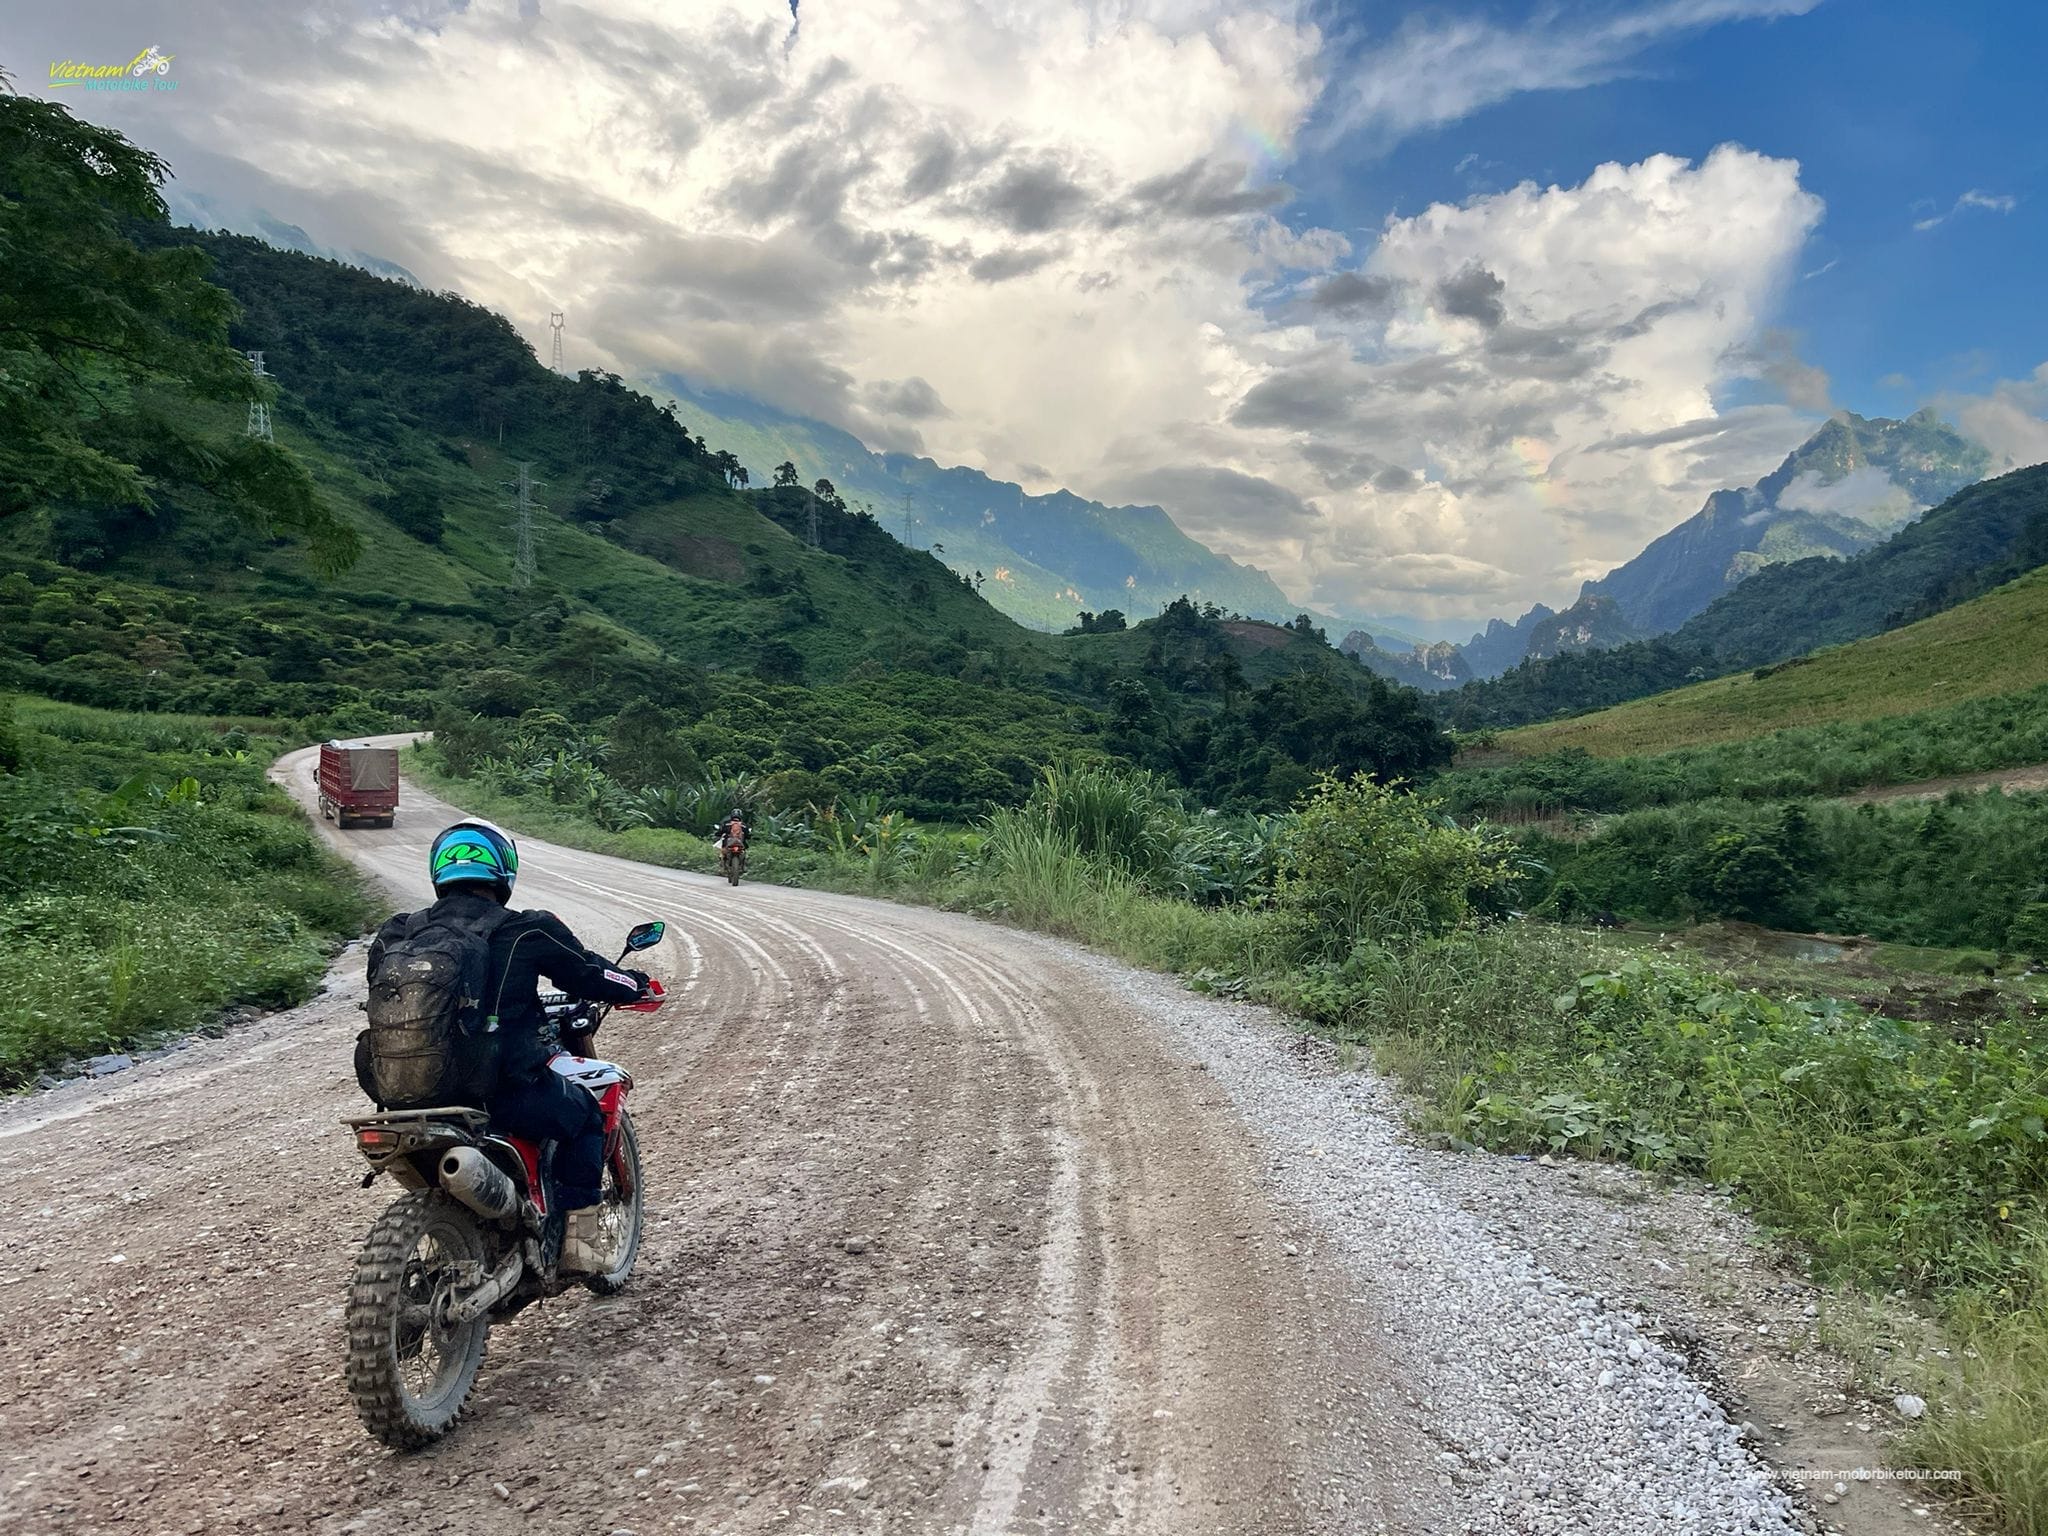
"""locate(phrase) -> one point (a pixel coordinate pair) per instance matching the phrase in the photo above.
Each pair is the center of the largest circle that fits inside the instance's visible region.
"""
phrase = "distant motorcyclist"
(733, 832)
(473, 866)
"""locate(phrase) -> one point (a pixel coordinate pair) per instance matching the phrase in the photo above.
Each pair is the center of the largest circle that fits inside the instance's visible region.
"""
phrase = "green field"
(1992, 645)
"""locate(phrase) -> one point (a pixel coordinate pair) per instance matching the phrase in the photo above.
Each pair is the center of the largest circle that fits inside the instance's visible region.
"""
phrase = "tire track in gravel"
(943, 1237)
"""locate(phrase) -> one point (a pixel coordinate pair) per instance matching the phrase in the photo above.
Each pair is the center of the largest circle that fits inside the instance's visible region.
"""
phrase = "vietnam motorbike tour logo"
(149, 70)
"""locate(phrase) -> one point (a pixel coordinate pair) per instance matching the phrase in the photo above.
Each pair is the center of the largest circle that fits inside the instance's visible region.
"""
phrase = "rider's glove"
(641, 977)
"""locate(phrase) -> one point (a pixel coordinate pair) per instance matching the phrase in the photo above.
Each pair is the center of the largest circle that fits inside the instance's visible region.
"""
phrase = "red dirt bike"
(476, 1237)
(732, 860)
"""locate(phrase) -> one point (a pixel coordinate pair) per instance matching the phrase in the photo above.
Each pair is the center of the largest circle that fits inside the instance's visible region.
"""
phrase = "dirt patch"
(2012, 780)
(1260, 637)
(705, 555)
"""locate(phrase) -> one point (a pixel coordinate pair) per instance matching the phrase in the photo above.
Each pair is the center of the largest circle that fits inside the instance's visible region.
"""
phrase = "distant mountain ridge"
(1847, 488)
(1043, 559)
(1429, 667)
(1984, 536)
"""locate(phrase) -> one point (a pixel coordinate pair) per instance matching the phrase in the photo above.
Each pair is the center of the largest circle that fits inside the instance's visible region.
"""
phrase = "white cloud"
(1023, 234)
(1991, 202)
(1865, 493)
(1433, 72)
(1568, 417)
(2011, 421)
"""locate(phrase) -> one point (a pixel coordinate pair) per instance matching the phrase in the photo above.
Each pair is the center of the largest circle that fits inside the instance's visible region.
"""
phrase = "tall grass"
(1899, 1154)
(137, 903)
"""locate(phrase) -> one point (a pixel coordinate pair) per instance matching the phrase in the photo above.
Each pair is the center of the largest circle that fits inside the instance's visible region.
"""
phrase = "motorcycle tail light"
(373, 1139)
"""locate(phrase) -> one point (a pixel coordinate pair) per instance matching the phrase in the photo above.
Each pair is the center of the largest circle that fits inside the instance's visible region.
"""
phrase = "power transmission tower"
(259, 413)
(523, 509)
(555, 323)
(909, 538)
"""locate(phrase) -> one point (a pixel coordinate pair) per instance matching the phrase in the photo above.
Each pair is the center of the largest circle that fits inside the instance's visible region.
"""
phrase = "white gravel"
(1556, 1411)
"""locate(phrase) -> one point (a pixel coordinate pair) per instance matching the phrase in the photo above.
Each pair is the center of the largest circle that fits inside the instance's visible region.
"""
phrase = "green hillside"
(1990, 645)
(679, 638)
(1044, 559)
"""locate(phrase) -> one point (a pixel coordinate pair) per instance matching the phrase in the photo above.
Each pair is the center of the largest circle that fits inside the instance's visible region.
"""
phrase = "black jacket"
(526, 947)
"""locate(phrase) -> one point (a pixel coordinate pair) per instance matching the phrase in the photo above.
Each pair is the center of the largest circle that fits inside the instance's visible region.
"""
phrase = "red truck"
(358, 784)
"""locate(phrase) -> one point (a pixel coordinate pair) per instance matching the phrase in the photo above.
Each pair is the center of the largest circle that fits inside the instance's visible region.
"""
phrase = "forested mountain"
(1594, 623)
(1846, 489)
(1979, 538)
(1430, 668)
(655, 622)
(1043, 558)
(1503, 645)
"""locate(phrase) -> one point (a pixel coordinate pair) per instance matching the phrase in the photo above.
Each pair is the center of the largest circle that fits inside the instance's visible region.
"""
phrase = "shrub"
(1363, 860)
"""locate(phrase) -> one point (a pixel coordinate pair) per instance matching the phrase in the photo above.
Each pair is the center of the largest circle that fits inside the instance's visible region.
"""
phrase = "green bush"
(1363, 860)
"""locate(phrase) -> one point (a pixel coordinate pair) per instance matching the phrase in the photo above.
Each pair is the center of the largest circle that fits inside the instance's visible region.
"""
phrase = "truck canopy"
(365, 768)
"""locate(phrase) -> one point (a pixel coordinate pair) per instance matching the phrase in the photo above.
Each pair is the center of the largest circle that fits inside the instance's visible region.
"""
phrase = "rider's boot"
(581, 1251)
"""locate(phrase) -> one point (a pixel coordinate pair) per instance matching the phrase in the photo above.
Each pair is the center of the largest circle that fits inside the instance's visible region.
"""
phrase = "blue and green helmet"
(474, 850)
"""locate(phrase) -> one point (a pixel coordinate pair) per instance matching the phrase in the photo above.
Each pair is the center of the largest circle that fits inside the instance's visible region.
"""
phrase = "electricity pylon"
(555, 323)
(524, 557)
(259, 413)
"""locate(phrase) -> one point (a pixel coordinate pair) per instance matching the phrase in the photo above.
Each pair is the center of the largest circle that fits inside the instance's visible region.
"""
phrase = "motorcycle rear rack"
(473, 1121)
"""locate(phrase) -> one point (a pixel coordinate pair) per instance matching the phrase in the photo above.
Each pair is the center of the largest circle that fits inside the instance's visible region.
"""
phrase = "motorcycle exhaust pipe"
(479, 1183)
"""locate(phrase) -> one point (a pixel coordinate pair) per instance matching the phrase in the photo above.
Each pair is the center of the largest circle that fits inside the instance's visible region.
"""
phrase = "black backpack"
(429, 1043)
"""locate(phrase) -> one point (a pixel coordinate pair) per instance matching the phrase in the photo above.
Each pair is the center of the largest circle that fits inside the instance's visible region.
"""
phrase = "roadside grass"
(1906, 1158)
(1986, 646)
(150, 878)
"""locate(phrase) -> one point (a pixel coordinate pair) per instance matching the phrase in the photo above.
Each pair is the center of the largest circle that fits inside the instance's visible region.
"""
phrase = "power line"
(259, 413)
(555, 323)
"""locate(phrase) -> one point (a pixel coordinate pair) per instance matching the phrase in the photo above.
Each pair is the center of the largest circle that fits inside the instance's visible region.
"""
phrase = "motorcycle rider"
(734, 831)
(473, 866)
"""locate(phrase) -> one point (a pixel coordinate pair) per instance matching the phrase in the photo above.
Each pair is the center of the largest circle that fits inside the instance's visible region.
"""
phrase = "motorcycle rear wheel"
(621, 1220)
(409, 1369)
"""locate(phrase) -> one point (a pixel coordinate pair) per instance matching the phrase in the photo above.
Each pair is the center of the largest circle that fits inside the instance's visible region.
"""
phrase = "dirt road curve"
(946, 1236)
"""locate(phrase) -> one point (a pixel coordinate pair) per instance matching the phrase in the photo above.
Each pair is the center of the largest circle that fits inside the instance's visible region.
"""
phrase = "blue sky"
(1894, 110)
(1433, 310)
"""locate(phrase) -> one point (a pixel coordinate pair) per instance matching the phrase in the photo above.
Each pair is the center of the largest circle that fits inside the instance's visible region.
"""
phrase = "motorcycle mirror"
(646, 936)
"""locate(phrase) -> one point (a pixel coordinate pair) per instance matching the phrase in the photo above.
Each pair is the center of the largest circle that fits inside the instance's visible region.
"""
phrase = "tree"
(739, 477)
(727, 464)
(412, 505)
(828, 493)
(779, 662)
(1108, 622)
(786, 475)
(89, 320)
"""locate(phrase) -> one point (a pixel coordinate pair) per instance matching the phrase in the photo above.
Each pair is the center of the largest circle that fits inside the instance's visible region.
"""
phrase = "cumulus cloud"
(1216, 501)
(2011, 420)
(1775, 359)
(912, 398)
(1472, 294)
(1354, 293)
(1554, 399)
(986, 232)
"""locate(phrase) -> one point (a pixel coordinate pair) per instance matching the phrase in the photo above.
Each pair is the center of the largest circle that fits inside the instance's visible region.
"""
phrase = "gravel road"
(952, 1229)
